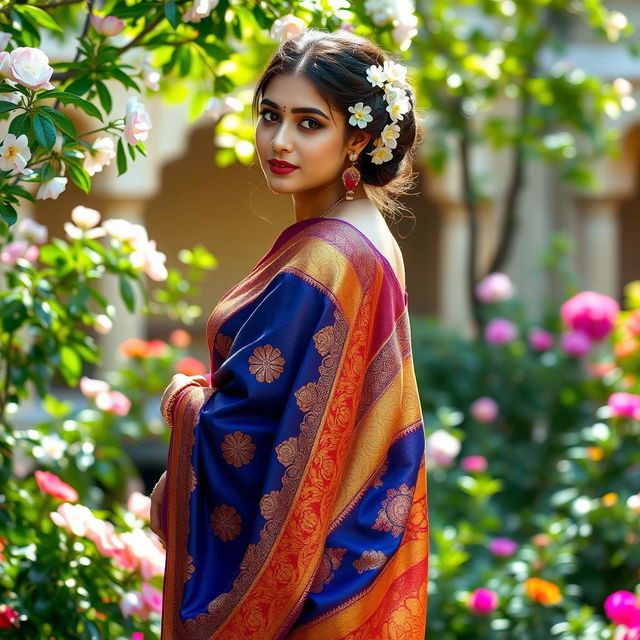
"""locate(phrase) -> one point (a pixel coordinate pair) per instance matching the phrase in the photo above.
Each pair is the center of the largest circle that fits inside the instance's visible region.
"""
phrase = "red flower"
(190, 367)
(156, 348)
(51, 484)
(134, 347)
(8, 617)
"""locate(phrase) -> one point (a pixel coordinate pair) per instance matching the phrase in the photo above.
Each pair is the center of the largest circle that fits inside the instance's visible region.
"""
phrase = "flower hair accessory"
(391, 77)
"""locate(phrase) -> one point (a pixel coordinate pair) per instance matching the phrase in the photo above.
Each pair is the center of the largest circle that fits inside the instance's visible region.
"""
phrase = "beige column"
(453, 305)
(599, 247)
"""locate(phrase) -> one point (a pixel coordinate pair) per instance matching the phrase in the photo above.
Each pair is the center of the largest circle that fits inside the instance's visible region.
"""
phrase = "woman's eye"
(315, 122)
(264, 112)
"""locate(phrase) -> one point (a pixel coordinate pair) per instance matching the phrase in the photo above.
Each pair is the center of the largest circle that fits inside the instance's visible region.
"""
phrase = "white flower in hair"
(389, 135)
(399, 107)
(376, 76)
(360, 115)
(381, 153)
(395, 72)
(391, 93)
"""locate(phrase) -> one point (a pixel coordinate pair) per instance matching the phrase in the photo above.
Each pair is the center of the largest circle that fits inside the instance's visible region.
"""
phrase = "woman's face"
(297, 126)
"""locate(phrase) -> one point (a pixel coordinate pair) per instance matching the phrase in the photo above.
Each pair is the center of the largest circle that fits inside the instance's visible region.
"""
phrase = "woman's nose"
(281, 139)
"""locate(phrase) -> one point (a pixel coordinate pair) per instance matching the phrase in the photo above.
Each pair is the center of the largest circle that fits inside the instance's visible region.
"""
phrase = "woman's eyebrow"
(297, 109)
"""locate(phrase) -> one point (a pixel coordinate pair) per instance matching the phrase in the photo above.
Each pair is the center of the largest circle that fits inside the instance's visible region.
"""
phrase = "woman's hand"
(178, 381)
(156, 507)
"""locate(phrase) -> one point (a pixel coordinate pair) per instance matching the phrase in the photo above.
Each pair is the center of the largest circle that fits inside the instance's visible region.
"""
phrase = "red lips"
(282, 163)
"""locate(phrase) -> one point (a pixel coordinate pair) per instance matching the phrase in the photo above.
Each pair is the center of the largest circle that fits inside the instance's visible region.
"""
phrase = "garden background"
(126, 131)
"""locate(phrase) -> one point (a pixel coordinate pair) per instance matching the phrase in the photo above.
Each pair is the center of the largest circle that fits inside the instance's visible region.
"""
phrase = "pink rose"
(623, 404)
(495, 287)
(139, 505)
(113, 402)
(474, 464)
(27, 66)
(623, 608)
(152, 597)
(106, 25)
(442, 448)
(591, 313)
(482, 601)
(73, 517)
(18, 249)
(503, 546)
(540, 340)
(500, 331)
(484, 410)
(575, 343)
(136, 122)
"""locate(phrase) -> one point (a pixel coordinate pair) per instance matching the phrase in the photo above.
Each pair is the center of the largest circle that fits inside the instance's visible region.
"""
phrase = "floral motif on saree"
(309, 515)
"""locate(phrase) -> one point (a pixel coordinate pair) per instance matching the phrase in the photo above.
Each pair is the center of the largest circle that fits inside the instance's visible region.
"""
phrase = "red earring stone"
(351, 177)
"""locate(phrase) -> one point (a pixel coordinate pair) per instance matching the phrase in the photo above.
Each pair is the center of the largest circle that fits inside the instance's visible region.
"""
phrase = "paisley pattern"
(370, 559)
(296, 490)
(266, 363)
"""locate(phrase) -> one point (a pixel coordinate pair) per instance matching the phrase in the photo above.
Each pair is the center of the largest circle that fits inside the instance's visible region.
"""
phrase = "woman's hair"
(336, 63)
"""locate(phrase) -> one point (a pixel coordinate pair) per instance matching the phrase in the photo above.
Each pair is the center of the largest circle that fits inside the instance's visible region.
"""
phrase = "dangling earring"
(351, 176)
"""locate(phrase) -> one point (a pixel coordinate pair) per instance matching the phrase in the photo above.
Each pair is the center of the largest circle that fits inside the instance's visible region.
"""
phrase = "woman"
(295, 496)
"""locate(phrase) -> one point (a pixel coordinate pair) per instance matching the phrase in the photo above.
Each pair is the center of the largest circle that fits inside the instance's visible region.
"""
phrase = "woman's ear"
(359, 140)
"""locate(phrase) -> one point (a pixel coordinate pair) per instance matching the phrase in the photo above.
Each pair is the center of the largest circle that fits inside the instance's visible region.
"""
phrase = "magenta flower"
(623, 608)
(575, 343)
(484, 410)
(540, 340)
(474, 464)
(592, 313)
(482, 601)
(500, 331)
(503, 546)
(495, 287)
(624, 405)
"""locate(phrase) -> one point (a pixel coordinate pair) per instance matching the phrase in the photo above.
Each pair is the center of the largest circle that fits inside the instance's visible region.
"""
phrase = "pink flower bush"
(19, 249)
(503, 546)
(482, 601)
(51, 484)
(623, 608)
(484, 410)
(474, 464)
(496, 287)
(575, 343)
(500, 331)
(624, 405)
(442, 448)
(591, 313)
(540, 340)
(113, 402)
(141, 603)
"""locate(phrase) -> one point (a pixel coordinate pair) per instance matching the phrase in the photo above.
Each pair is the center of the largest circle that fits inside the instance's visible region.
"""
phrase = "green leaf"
(124, 79)
(79, 177)
(6, 105)
(105, 96)
(37, 16)
(19, 125)
(44, 130)
(171, 13)
(47, 172)
(63, 122)
(66, 97)
(13, 315)
(121, 157)
(70, 365)
(126, 291)
(8, 213)
(80, 86)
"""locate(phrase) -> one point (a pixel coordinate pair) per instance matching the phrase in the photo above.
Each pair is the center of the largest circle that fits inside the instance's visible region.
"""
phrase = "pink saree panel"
(295, 503)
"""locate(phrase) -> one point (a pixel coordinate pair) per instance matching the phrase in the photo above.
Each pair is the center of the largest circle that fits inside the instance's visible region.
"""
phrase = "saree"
(295, 498)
